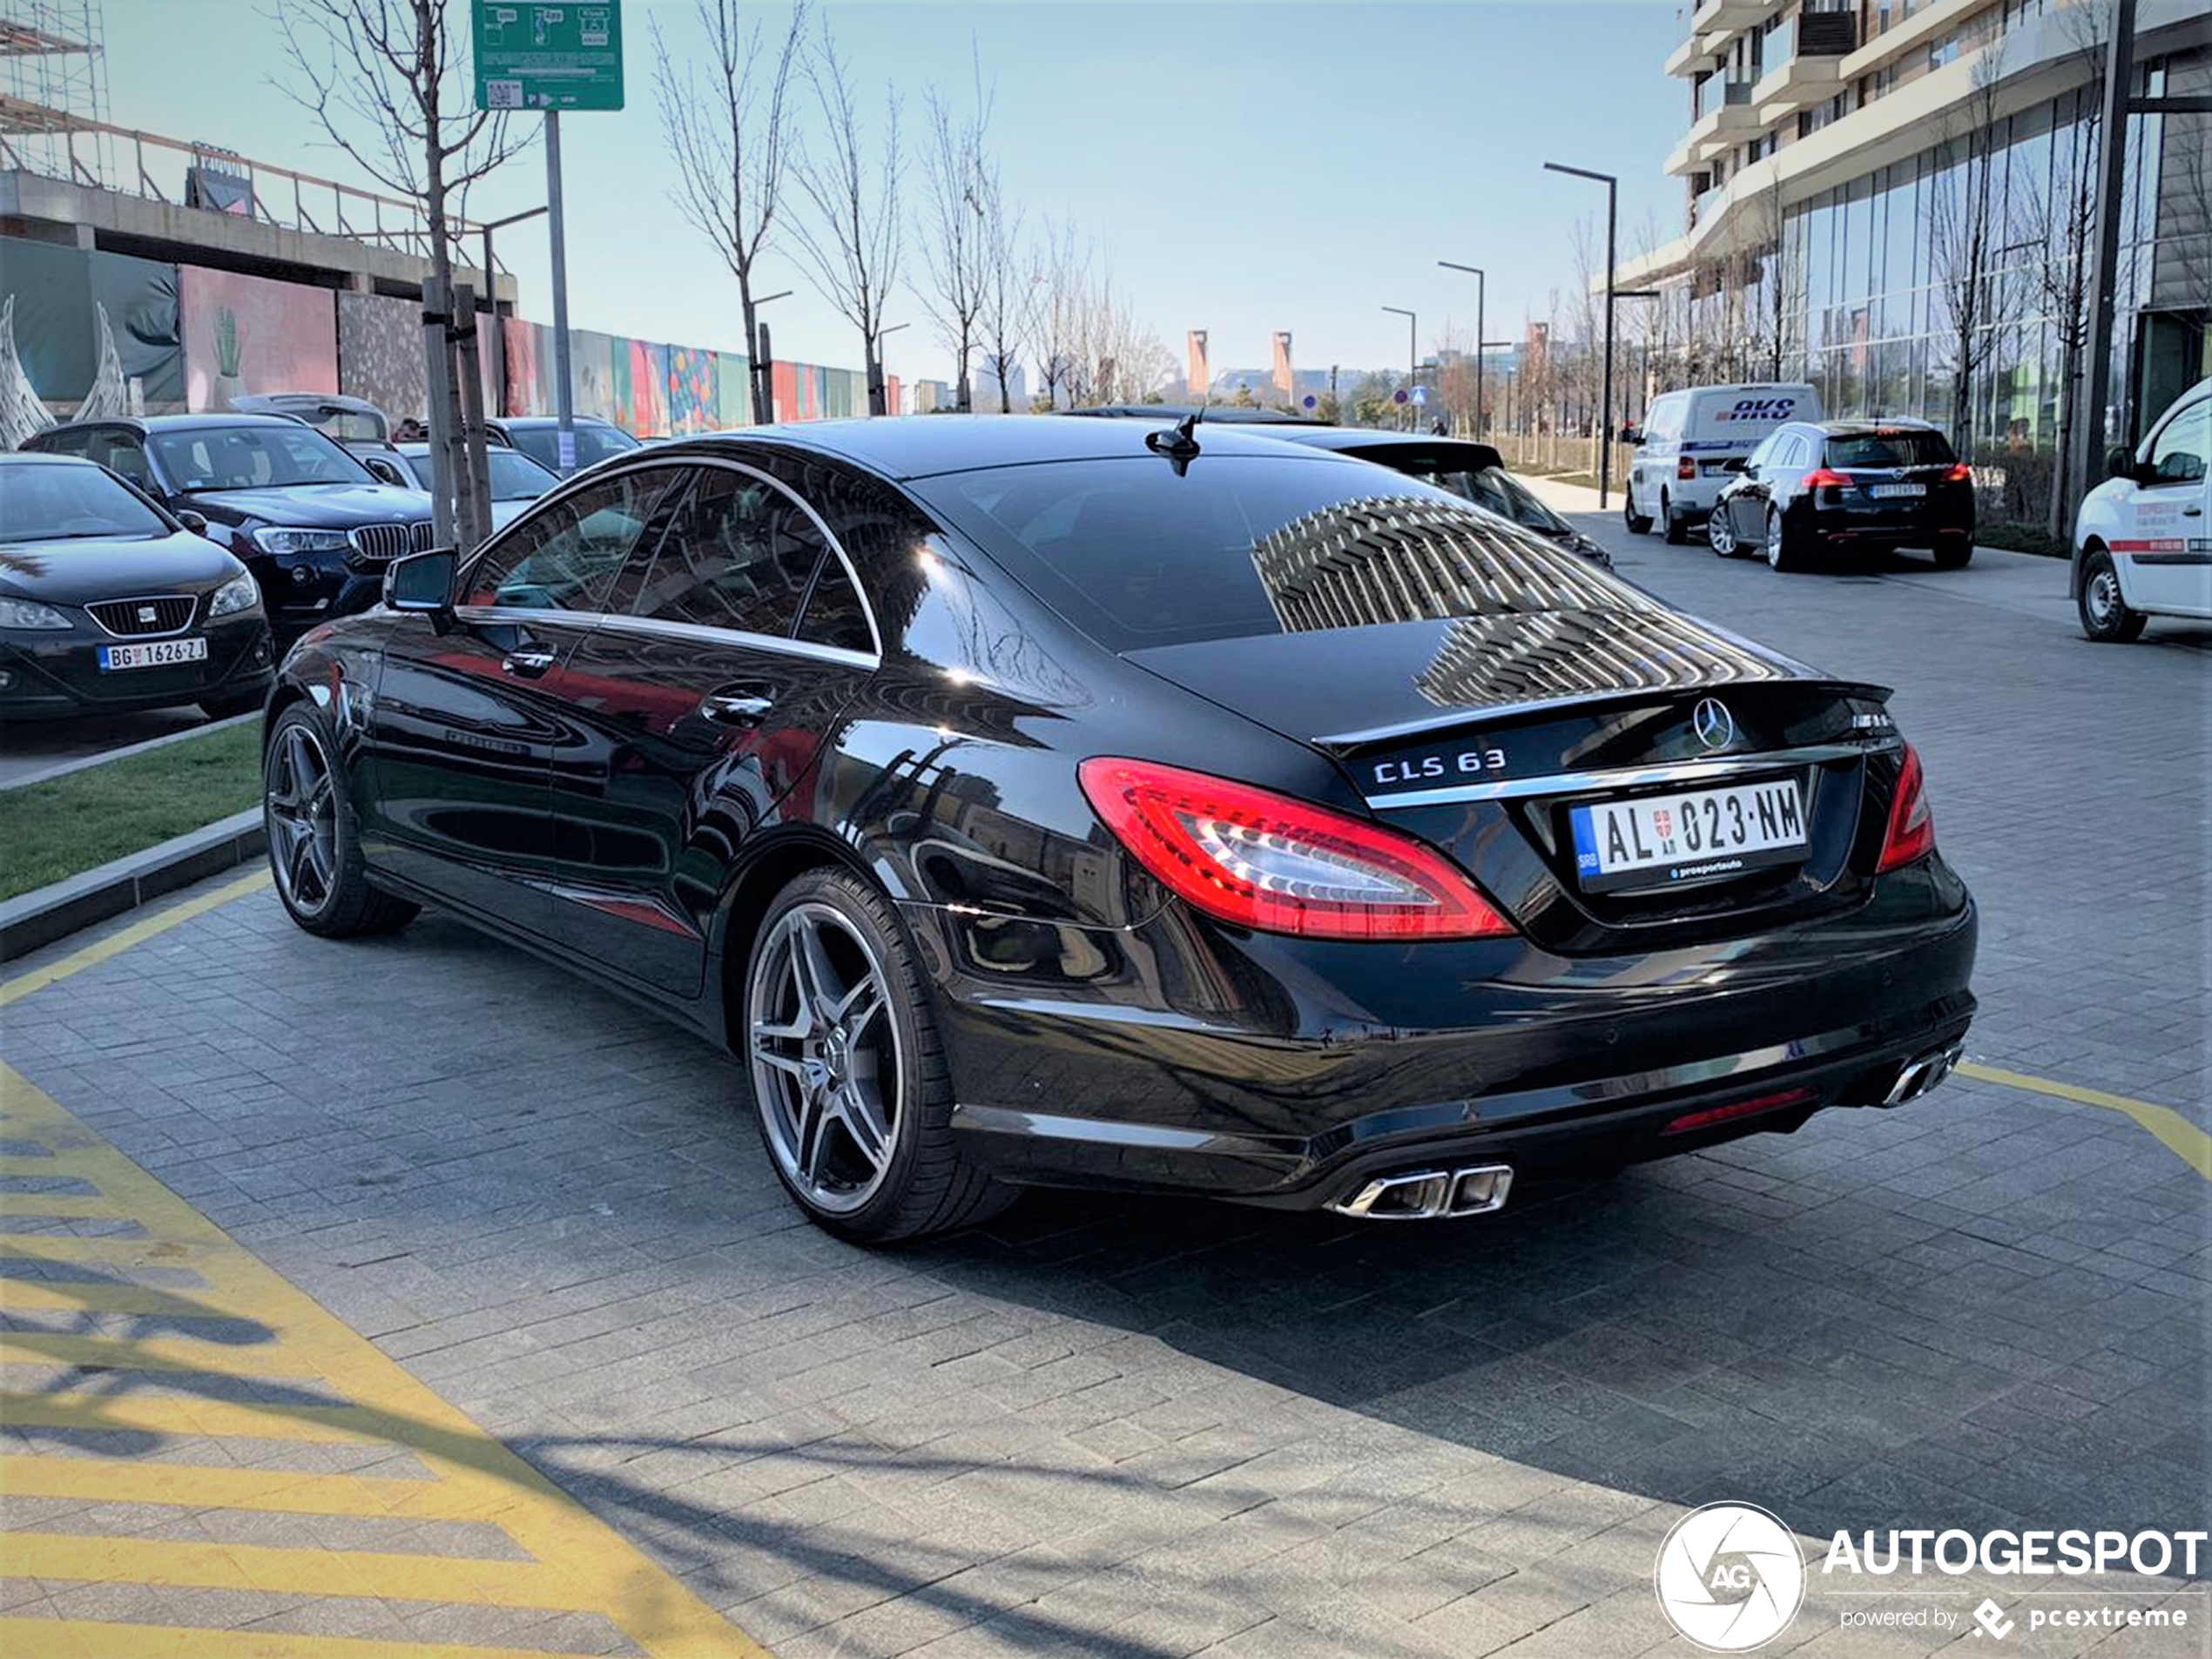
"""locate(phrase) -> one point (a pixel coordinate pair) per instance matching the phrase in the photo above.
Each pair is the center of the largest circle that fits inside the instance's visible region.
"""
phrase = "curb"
(37, 919)
(63, 768)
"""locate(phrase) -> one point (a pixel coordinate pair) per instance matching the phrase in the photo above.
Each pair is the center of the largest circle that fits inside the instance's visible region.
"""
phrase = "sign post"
(531, 55)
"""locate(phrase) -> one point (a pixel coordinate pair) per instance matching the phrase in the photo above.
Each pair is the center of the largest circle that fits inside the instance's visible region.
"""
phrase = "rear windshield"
(1136, 556)
(1890, 449)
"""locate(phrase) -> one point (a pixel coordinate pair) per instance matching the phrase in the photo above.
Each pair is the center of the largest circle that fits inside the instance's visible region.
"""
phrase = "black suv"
(307, 517)
(1864, 487)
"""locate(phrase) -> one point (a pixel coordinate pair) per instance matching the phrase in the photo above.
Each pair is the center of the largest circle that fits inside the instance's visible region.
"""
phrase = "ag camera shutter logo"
(1729, 1577)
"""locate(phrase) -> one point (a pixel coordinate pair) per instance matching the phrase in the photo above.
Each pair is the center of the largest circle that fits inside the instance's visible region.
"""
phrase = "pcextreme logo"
(1729, 1577)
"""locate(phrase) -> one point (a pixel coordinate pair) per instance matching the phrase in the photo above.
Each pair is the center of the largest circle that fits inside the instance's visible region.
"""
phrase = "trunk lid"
(1483, 735)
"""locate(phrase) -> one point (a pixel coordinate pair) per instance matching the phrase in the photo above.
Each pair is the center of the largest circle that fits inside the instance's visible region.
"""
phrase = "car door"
(1654, 456)
(2168, 546)
(1749, 490)
(467, 717)
(704, 693)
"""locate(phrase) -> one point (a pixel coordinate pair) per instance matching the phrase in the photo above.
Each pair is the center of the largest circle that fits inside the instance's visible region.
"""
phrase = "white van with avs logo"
(1695, 441)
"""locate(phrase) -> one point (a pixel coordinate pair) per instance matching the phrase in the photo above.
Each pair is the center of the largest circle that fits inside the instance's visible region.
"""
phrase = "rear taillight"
(1959, 474)
(1283, 866)
(1685, 468)
(1712, 1115)
(1822, 478)
(1912, 831)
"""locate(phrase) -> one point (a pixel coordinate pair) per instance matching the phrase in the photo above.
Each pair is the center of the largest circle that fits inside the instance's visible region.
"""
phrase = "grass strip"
(68, 825)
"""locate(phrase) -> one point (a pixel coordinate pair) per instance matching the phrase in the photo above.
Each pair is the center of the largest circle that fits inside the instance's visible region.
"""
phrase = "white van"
(1688, 439)
(2142, 541)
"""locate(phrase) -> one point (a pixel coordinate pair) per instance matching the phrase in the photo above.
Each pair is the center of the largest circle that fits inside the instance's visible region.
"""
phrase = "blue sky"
(1244, 164)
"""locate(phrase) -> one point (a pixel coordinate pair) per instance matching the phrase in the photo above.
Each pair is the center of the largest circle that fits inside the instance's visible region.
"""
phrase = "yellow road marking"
(104, 1296)
(2174, 1132)
(144, 1353)
(261, 1491)
(113, 1250)
(89, 1639)
(29, 1206)
(164, 1414)
(137, 934)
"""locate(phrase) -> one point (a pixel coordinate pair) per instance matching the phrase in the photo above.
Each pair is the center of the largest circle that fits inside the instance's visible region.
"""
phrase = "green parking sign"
(535, 56)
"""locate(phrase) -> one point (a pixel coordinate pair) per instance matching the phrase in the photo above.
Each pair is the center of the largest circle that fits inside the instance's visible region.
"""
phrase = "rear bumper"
(1878, 528)
(1554, 1072)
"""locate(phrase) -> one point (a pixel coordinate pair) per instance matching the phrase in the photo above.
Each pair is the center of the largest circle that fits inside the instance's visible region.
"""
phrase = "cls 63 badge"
(1467, 763)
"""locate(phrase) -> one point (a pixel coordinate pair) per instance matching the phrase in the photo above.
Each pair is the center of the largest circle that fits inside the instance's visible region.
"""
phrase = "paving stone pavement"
(1152, 1428)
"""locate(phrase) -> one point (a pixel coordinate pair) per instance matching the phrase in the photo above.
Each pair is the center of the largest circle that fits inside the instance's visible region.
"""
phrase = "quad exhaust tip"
(1427, 1194)
(1924, 1073)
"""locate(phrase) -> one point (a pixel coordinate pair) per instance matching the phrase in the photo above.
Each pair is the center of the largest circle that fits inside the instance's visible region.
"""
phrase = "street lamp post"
(1412, 354)
(1481, 294)
(1612, 214)
(764, 382)
(876, 387)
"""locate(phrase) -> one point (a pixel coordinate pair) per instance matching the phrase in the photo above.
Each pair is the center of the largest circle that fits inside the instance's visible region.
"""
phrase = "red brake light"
(1960, 473)
(1822, 478)
(1278, 865)
(1685, 468)
(1912, 831)
(1706, 1119)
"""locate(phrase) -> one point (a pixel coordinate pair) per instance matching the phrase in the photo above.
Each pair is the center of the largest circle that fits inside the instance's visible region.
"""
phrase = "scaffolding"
(53, 89)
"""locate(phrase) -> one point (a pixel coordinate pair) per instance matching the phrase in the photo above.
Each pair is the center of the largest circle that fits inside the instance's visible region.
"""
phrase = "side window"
(2177, 454)
(122, 454)
(738, 554)
(835, 613)
(1666, 417)
(1767, 455)
(563, 557)
(67, 443)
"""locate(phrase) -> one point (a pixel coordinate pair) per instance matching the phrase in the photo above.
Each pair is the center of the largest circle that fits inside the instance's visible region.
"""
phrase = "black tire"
(1678, 527)
(227, 708)
(808, 1069)
(2106, 616)
(1953, 552)
(1639, 523)
(1784, 551)
(314, 844)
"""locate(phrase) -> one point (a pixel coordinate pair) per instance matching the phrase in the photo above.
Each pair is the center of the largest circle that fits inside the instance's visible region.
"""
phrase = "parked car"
(538, 436)
(305, 514)
(1475, 472)
(2143, 539)
(1693, 441)
(110, 604)
(1816, 488)
(1035, 800)
(354, 421)
(516, 480)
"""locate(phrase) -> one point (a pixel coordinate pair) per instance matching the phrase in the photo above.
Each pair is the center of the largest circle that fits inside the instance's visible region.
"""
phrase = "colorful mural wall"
(248, 334)
(103, 330)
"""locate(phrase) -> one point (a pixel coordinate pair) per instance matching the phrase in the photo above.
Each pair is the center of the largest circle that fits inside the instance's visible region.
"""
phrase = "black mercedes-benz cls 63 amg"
(1071, 802)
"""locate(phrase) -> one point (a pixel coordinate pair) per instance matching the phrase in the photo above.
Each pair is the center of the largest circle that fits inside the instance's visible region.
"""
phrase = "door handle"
(2192, 512)
(736, 708)
(527, 661)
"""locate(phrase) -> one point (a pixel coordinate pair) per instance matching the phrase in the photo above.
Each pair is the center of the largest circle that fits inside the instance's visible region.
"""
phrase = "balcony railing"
(171, 171)
(1717, 93)
(1827, 34)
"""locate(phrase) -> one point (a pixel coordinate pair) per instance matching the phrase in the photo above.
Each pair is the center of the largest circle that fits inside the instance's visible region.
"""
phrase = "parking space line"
(138, 933)
(252, 1491)
(2172, 1131)
(53, 1348)
(90, 1639)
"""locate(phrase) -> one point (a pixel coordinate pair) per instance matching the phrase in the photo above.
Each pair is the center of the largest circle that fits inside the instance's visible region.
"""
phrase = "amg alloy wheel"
(848, 1076)
(313, 852)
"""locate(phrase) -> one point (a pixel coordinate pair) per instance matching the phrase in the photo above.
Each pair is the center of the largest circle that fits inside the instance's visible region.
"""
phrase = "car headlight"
(238, 594)
(288, 540)
(23, 613)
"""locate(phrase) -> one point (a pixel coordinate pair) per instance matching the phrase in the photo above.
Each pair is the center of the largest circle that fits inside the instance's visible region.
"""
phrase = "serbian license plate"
(154, 653)
(1890, 492)
(1700, 835)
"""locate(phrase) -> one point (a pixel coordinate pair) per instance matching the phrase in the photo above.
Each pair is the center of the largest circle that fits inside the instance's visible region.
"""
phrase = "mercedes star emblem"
(1714, 725)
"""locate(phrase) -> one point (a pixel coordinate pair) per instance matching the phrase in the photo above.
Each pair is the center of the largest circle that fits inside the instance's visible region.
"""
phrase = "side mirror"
(1739, 463)
(1632, 434)
(196, 522)
(2120, 463)
(387, 471)
(421, 581)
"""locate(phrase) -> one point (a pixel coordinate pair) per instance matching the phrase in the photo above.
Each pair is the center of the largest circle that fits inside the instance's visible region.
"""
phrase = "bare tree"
(1778, 264)
(386, 81)
(1055, 323)
(852, 247)
(1966, 226)
(1011, 279)
(962, 181)
(727, 122)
